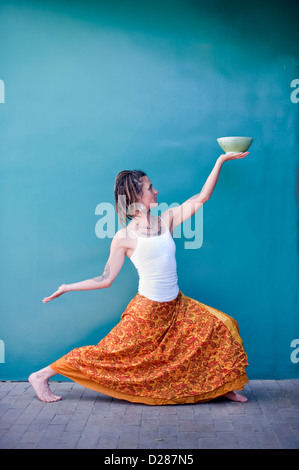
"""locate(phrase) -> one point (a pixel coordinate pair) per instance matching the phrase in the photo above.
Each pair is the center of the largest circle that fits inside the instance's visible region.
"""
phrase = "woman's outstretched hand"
(233, 156)
(61, 290)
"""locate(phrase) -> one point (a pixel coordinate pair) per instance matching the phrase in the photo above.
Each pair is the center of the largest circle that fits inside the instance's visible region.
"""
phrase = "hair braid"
(127, 190)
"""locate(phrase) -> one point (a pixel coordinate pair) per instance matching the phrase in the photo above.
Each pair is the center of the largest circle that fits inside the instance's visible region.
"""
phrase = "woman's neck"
(144, 219)
(147, 226)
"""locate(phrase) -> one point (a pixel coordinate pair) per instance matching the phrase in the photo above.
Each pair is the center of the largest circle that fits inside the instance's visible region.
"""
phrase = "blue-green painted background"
(92, 88)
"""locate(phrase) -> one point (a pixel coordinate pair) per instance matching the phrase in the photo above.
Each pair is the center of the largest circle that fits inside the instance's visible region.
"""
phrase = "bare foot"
(236, 397)
(41, 387)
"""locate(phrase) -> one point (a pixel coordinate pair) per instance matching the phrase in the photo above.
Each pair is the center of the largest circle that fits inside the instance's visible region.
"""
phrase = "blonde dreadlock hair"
(127, 191)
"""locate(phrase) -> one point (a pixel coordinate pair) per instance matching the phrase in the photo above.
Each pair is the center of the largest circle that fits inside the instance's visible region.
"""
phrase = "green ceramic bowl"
(235, 144)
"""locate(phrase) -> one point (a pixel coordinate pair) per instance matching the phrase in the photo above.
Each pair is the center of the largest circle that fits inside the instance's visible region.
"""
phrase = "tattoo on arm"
(105, 274)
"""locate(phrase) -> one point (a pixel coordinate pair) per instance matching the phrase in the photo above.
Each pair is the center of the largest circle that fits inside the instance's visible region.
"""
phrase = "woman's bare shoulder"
(124, 237)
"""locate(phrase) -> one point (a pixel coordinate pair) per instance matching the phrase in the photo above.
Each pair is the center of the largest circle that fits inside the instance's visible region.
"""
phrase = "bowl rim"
(235, 137)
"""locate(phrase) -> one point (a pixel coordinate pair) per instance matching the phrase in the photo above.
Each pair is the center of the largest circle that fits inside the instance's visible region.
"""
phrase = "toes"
(58, 398)
(53, 398)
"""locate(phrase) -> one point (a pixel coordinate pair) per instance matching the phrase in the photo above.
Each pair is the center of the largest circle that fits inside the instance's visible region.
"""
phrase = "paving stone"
(248, 440)
(223, 425)
(206, 430)
(131, 419)
(68, 440)
(168, 431)
(172, 442)
(10, 417)
(150, 425)
(76, 423)
(185, 411)
(167, 410)
(286, 436)
(85, 419)
(165, 420)
(186, 425)
(268, 439)
(208, 443)
(259, 421)
(220, 411)
(50, 437)
(227, 440)
(153, 415)
(188, 440)
(88, 439)
(108, 440)
(129, 437)
(134, 409)
(31, 437)
(236, 408)
(13, 436)
(240, 420)
(147, 441)
(294, 422)
(38, 425)
(61, 419)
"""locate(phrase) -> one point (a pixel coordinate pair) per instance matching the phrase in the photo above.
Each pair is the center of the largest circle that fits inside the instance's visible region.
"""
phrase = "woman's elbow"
(104, 284)
(109, 282)
(203, 198)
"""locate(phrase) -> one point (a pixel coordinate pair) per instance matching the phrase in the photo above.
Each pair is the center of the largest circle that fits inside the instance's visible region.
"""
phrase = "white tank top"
(154, 259)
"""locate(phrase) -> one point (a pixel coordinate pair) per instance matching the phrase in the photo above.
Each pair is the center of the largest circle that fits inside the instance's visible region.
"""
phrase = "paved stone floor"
(88, 420)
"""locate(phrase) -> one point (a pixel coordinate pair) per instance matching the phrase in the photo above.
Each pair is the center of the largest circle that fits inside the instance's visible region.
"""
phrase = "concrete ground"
(85, 419)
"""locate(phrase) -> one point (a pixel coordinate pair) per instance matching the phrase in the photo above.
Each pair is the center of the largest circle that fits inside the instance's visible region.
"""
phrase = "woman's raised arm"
(179, 214)
(112, 268)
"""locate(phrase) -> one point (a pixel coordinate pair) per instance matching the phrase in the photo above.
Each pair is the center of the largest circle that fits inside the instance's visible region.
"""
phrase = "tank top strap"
(167, 229)
(163, 221)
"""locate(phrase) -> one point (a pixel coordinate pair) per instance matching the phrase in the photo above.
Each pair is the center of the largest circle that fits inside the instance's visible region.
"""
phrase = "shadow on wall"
(247, 23)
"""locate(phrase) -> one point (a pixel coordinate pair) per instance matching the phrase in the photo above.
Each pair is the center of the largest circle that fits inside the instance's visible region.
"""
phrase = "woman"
(167, 348)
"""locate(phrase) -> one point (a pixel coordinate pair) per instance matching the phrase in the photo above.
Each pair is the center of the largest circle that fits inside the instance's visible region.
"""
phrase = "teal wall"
(92, 88)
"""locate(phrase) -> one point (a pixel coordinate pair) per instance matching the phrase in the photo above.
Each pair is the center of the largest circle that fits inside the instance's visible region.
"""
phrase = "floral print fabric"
(180, 351)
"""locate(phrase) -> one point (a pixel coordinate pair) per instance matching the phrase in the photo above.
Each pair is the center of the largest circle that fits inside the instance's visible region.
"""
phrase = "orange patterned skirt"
(160, 353)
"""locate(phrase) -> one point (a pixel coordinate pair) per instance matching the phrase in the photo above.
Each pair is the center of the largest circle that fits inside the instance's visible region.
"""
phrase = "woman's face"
(149, 194)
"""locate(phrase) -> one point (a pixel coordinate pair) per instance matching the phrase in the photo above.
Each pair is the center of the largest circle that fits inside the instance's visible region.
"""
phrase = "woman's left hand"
(232, 156)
